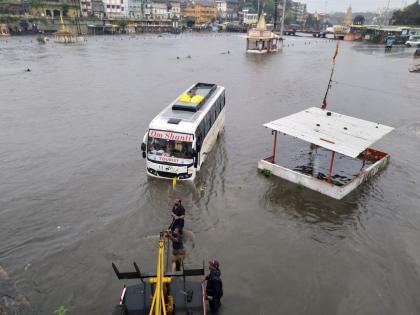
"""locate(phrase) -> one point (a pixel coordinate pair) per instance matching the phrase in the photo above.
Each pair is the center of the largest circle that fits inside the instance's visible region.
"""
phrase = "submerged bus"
(181, 136)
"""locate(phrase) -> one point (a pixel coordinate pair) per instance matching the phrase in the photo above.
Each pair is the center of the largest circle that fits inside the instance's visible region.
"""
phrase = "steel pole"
(331, 166)
(274, 146)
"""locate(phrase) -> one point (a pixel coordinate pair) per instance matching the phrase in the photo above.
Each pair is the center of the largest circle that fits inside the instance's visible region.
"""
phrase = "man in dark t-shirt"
(178, 214)
(214, 286)
(178, 251)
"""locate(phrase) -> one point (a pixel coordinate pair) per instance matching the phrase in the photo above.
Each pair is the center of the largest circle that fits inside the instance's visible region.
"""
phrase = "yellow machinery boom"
(163, 289)
(162, 302)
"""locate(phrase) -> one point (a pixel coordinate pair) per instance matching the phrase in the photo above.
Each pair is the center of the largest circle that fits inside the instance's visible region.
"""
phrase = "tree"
(312, 22)
(122, 24)
(65, 9)
(359, 20)
(24, 25)
(289, 18)
(410, 15)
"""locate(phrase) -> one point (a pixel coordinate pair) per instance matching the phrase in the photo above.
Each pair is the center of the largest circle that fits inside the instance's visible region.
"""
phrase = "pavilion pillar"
(331, 167)
(274, 132)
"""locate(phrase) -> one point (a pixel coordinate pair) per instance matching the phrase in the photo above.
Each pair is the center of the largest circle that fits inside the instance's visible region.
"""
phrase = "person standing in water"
(178, 251)
(178, 214)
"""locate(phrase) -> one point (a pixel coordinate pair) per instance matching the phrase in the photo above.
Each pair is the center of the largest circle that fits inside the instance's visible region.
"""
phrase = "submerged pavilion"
(261, 41)
(337, 133)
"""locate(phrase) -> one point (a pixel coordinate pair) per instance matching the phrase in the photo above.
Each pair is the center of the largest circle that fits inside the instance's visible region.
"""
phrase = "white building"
(249, 18)
(299, 12)
(175, 10)
(156, 11)
(116, 8)
(98, 8)
(86, 7)
(135, 9)
(232, 8)
(221, 6)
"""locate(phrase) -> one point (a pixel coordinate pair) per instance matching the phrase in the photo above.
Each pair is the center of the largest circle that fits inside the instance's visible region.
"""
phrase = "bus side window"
(202, 129)
(208, 122)
(198, 143)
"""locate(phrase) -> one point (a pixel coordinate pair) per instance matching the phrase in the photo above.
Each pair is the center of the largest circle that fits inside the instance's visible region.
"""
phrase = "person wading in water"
(178, 214)
(178, 251)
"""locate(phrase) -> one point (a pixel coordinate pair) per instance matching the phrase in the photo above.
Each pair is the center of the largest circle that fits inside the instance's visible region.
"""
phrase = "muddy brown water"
(74, 195)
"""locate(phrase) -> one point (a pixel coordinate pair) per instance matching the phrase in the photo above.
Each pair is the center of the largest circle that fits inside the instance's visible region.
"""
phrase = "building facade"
(160, 11)
(299, 12)
(116, 8)
(86, 7)
(232, 8)
(98, 8)
(135, 9)
(201, 13)
(221, 6)
(248, 18)
(53, 9)
(175, 10)
(12, 8)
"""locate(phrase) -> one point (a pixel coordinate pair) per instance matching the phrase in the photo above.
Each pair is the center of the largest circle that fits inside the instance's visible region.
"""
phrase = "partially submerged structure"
(4, 30)
(261, 41)
(65, 36)
(349, 136)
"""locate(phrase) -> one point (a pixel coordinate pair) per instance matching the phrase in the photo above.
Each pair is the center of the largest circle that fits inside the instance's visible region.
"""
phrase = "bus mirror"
(143, 146)
(144, 155)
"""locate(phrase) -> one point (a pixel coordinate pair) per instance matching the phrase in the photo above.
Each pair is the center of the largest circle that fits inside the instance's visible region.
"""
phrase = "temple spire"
(348, 19)
(261, 23)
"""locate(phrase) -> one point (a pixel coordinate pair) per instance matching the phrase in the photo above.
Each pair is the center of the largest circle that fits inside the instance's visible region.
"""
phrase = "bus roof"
(184, 121)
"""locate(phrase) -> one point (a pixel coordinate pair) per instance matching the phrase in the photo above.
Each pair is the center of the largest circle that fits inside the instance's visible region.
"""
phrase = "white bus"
(181, 136)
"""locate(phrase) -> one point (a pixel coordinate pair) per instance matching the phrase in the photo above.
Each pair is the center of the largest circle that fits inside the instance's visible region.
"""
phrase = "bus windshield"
(169, 147)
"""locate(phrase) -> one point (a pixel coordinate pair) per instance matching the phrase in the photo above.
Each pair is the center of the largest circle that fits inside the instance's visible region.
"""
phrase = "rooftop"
(340, 133)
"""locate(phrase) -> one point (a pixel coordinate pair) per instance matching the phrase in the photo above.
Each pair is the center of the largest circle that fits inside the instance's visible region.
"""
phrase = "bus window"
(208, 122)
(168, 148)
(202, 129)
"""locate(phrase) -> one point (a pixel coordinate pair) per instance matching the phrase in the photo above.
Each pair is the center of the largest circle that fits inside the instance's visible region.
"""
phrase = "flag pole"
(324, 102)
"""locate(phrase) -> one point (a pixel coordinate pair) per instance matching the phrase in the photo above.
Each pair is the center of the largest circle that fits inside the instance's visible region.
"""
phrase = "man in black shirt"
(214, 287)
(178, 251)
(178, 214)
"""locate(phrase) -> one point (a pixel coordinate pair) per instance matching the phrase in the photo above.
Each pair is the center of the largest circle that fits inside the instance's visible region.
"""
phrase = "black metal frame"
(138, 275)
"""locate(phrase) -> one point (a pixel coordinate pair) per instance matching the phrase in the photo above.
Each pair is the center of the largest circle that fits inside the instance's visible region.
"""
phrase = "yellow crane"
(162, 293)
(162, 302)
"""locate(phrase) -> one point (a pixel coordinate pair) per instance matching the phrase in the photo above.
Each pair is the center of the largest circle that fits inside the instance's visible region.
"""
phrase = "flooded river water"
(74, 195)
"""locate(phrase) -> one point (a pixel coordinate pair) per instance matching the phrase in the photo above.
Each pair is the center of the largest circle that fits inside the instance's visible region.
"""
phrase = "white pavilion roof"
(340, 133)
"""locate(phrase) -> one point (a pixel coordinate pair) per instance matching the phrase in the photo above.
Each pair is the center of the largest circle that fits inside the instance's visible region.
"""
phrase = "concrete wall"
(324, 187)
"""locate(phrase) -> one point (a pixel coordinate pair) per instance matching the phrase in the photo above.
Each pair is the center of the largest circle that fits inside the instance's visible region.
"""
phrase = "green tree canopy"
(410, 15)
(359, 20)
(122, 23)
(313, 23)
